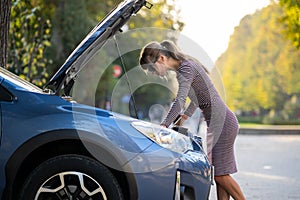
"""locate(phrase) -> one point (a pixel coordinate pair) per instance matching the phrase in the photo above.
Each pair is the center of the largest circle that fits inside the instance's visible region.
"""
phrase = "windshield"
(16, 80)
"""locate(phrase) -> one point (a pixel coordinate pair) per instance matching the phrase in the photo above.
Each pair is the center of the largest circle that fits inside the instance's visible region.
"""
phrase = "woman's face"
(159, 66)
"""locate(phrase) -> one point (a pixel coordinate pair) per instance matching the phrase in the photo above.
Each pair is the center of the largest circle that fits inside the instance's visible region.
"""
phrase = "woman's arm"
(185, 77)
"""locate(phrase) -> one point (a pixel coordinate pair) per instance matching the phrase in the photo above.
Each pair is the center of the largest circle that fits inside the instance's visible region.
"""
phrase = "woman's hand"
(163, 125)
(183, 117)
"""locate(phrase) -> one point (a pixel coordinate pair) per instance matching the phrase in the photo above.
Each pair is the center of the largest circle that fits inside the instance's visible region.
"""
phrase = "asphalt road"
(268, 167)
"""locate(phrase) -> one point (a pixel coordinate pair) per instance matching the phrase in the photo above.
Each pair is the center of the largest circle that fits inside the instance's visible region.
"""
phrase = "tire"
(71, 177)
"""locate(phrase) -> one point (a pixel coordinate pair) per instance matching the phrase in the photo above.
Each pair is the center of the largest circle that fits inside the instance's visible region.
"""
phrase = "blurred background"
(254, 47)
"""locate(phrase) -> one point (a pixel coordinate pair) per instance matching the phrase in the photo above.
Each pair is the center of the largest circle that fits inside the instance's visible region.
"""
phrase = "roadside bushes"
(289, 115)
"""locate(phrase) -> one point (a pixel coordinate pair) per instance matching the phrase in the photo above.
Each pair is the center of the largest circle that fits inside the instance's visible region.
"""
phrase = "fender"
(20, 156)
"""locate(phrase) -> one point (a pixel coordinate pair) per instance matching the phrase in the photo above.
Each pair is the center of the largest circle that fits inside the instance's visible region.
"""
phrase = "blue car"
(52, 147)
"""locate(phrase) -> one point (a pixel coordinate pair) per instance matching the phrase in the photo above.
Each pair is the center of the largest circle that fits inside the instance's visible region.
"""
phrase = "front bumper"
(167, 175)
(194, 177)
(187, 188)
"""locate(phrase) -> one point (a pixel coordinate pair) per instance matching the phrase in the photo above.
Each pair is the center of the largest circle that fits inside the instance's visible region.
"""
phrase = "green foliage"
(71, 23)
(260, 68)
(291, 20)
(29, 36)
(163, 14)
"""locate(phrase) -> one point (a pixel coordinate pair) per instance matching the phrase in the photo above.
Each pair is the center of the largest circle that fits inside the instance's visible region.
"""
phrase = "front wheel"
(71, 177)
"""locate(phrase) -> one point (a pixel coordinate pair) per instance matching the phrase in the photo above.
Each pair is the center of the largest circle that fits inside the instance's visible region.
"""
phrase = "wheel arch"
(51, 144)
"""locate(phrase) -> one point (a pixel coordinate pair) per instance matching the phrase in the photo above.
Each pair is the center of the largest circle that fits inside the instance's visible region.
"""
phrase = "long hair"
(152, 50)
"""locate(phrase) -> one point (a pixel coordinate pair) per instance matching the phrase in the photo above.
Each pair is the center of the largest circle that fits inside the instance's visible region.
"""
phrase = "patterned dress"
(222, 124)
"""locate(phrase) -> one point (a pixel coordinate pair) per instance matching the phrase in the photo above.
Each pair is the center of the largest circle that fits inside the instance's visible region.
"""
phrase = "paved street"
(269, 167)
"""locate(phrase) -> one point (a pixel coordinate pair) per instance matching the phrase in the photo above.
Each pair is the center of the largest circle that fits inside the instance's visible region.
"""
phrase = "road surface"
(268, 167)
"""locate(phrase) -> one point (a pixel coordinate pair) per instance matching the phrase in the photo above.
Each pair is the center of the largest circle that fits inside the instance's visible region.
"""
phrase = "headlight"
(165, 137)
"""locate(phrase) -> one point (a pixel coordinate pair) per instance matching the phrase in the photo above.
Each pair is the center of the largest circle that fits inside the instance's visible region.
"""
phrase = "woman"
(195, 83)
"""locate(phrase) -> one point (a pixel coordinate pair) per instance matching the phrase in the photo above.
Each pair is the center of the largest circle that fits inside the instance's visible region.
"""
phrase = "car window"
(5, 95)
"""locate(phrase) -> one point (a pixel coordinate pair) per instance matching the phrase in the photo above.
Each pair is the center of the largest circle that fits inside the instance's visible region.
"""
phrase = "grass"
(266, 126)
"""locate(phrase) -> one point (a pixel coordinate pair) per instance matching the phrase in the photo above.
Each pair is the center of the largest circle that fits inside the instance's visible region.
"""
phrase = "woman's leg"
(227, 183)
(221, 193)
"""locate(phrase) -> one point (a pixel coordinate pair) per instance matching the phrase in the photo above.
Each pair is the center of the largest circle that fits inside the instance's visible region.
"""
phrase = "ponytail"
(171, 50)
(176, 54)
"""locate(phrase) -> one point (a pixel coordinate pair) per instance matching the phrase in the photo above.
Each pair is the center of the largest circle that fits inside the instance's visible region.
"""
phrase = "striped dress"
(222, 124)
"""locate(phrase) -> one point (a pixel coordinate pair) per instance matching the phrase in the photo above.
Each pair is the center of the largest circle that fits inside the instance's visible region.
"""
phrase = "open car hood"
(109, 26)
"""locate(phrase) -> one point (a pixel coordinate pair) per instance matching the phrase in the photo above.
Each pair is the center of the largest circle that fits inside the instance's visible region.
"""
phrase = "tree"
(291, 20)
(5, 6)
(260, 68)
(29, 37)
(71, 22)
